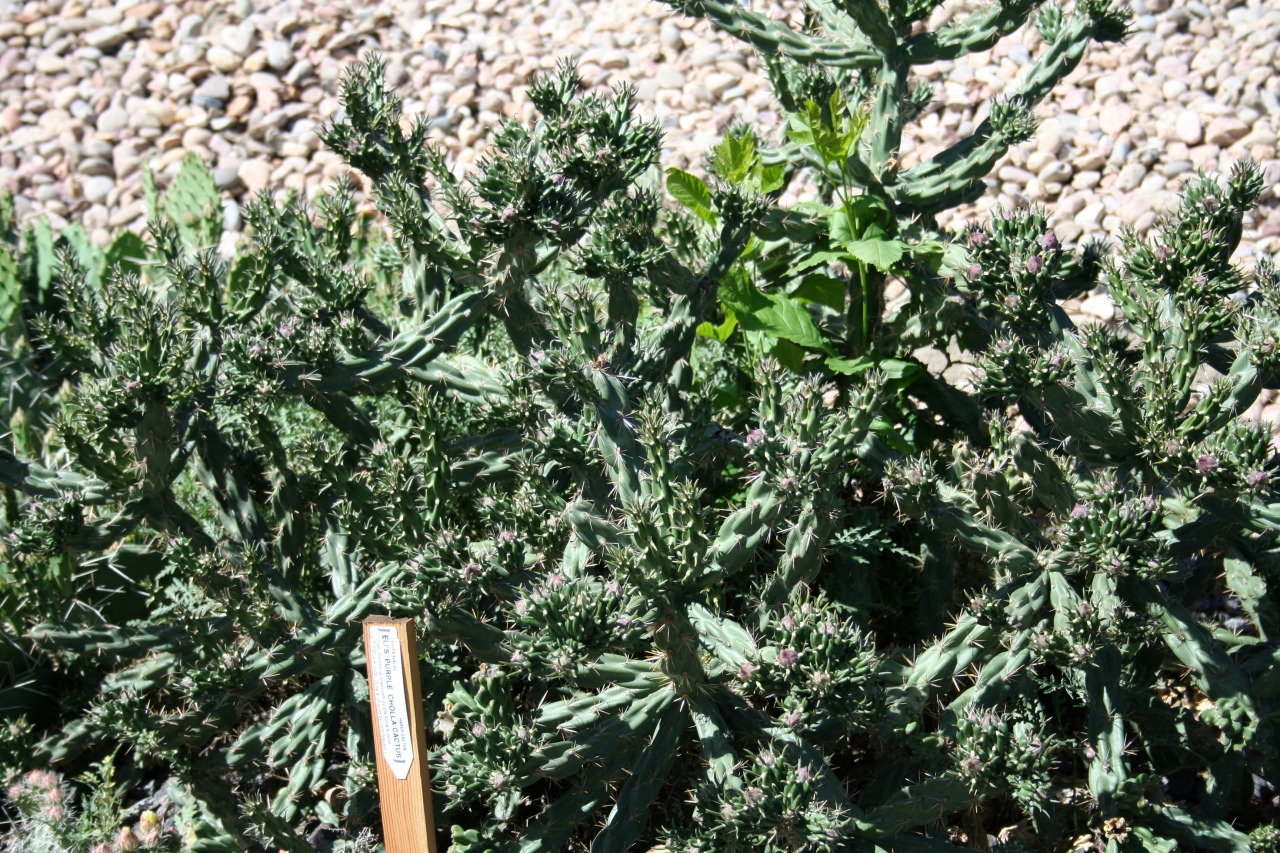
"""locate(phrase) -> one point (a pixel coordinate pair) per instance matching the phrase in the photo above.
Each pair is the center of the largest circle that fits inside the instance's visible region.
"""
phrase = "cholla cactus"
(650, 613)
(870, 49)
(1131, 490)
(844, 81)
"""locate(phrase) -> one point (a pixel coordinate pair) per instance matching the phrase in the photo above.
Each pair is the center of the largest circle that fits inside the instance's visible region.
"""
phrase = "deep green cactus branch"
(771, 37)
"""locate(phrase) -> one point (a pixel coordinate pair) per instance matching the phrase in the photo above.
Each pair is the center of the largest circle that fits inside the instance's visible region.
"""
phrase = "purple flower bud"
(1162, 253)
(508, 214)
(1080, 511)
(803, 774)
(753, 795)
(974, 272)
(728, 812)
(286, 330)
(745, 671)
(787, 658)
(978, 238)
(613, 588)
(479, 730)
(768, 759)
(1258, 478)
(1049, 241)
(1012, 301)
(1206, 464)
(506, 536)
(555, 580)
(788, 623)
(1034, 264)
(352, 146)
(792, 719)
(754, 437)
(470, 571)
(557, 179)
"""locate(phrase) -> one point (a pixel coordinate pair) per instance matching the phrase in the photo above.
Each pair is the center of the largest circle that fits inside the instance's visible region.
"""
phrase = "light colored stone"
(1091, 215)
(1189, 128)
(279, 55)
(1099, 305)
(255, 174)
(105, 38)
(223, 59)
(96, 188)
(1130, 177)
(112, 121)
(1114, 118)
(238, 40)
(718, 83)
(1224, 130)
(670, 78)
(1056, 172)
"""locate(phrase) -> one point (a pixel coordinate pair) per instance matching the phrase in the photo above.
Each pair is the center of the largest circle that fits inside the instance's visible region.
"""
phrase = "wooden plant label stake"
(399, 735)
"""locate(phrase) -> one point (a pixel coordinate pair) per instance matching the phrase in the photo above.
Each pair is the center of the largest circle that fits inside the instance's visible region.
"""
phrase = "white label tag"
(389, 696)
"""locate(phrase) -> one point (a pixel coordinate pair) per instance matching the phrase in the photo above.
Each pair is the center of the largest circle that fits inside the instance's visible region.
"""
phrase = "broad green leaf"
(693, 194)
(881, 254)
(126, 251)
(769, 178)
(860, 218)
(800, 130)
(815, 207)
(896, 368)
(897, 371)
(722, 332)
(832, 139)
(819, 258)
(789, 355)
(772, 313)
(849, 366)
(822, 289)
(734, 157)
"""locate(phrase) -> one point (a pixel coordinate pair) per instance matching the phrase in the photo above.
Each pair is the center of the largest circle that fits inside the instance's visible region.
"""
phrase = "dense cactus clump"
(702, 557)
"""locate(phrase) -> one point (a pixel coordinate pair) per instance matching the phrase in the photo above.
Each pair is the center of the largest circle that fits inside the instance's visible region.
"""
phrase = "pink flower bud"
(126, 840)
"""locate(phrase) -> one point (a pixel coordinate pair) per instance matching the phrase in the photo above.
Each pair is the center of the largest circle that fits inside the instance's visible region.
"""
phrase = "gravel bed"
(88, 92)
